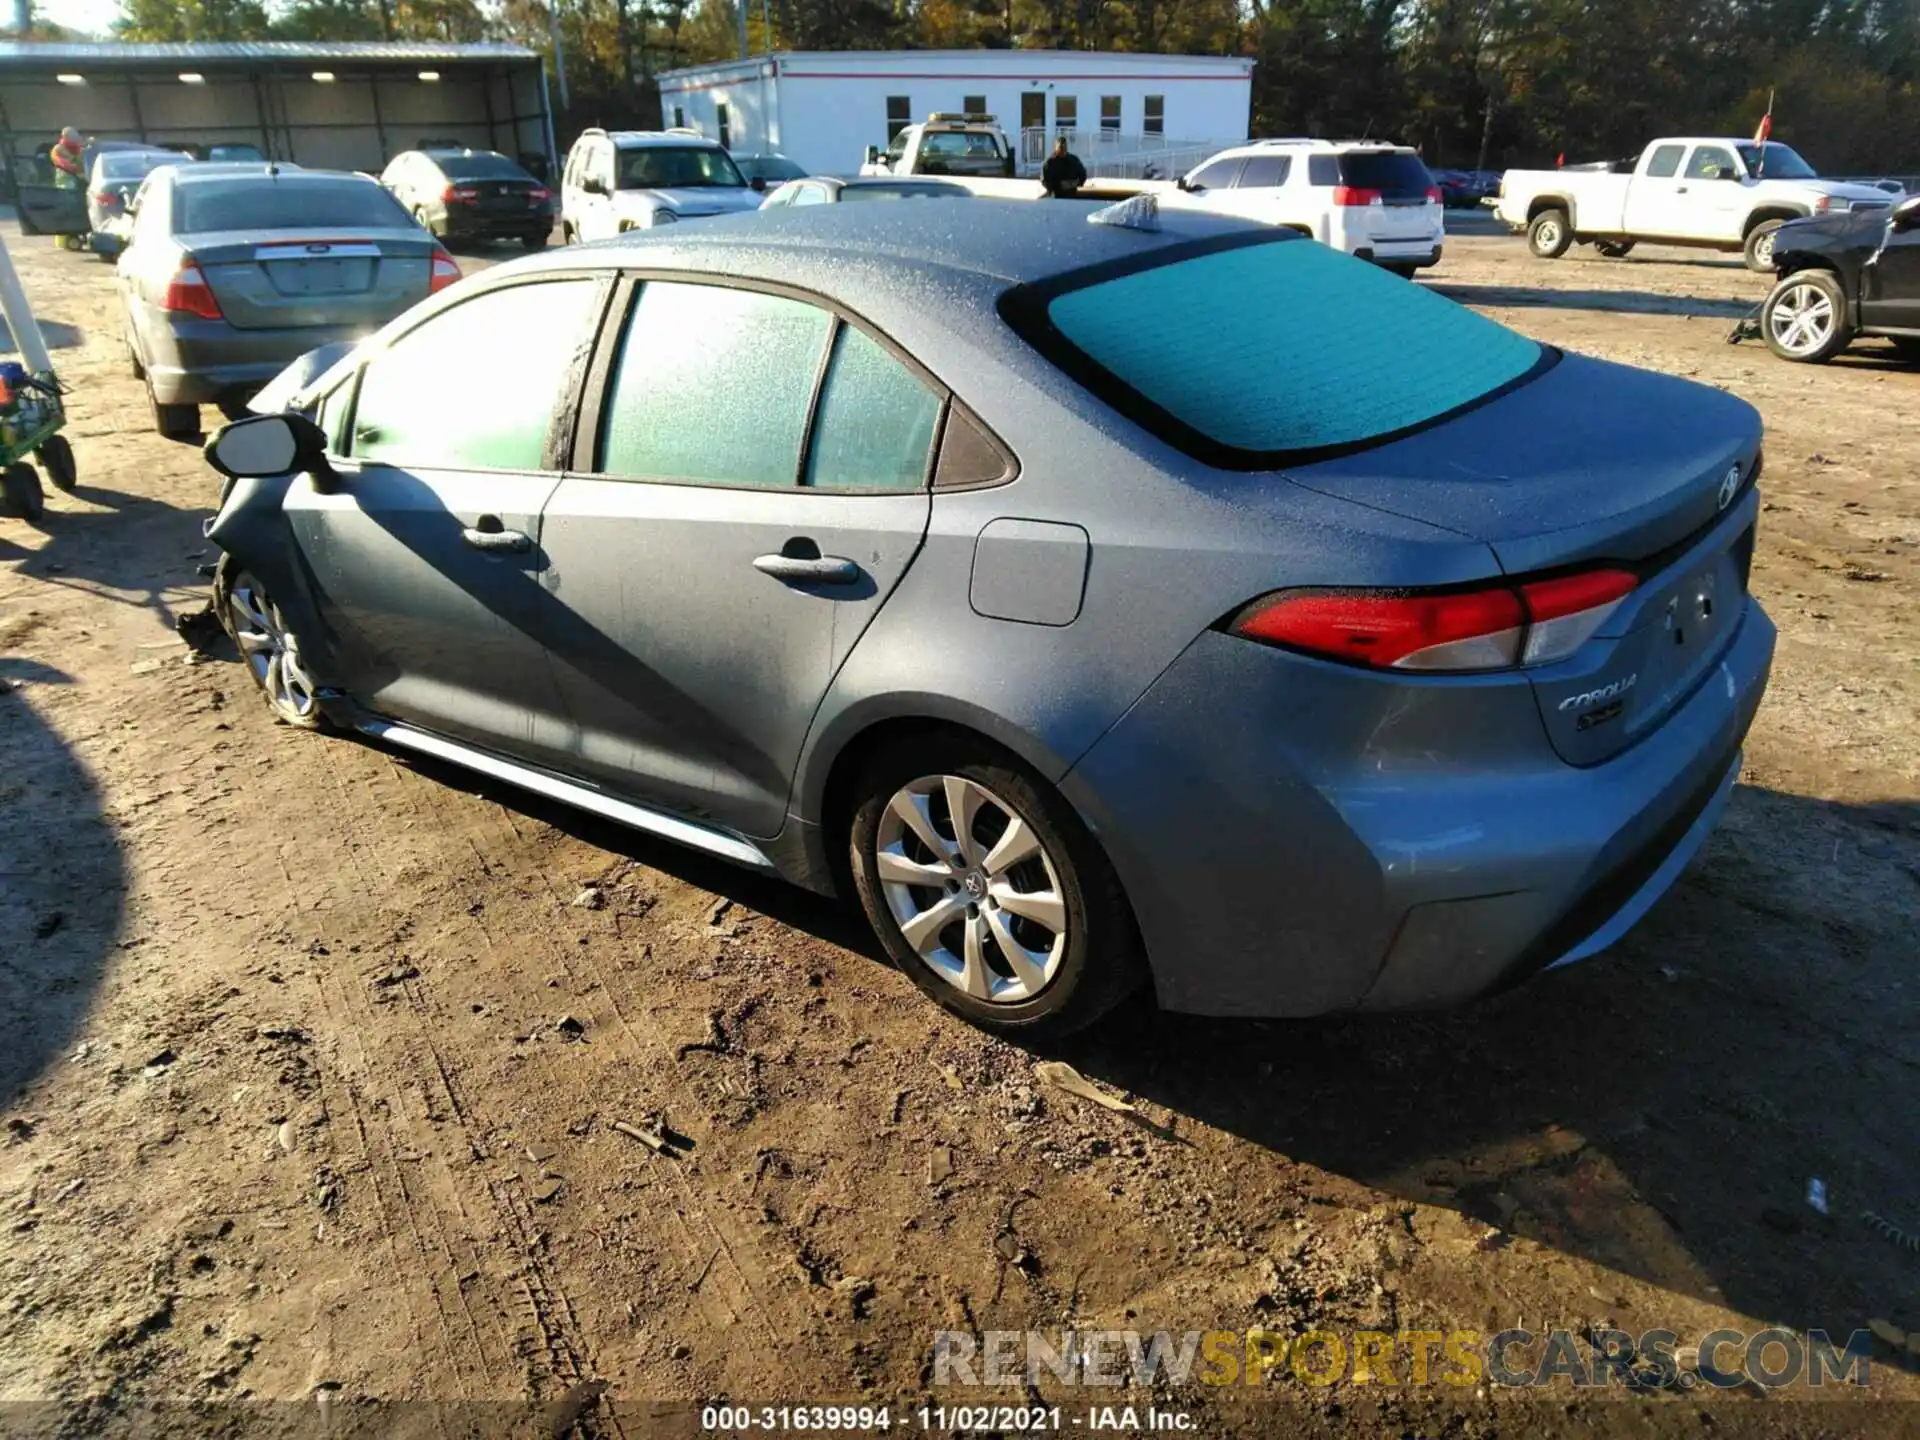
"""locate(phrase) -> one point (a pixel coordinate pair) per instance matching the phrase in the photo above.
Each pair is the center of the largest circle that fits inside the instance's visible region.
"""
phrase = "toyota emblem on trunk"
(1729, 486)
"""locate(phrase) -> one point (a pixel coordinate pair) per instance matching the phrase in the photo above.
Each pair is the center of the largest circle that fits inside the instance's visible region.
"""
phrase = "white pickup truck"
(1710, 191)
(972, 151)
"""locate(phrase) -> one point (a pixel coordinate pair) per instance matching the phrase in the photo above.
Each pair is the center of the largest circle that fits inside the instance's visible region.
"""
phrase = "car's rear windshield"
(770, 168)
(264, 203)
(903, 192)
(483, 165)
(1249, 355)
(1394, 173)
(132, 164)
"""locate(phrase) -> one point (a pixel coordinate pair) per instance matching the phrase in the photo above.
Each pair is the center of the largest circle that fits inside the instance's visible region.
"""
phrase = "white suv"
(1372, 200)
(636, 179)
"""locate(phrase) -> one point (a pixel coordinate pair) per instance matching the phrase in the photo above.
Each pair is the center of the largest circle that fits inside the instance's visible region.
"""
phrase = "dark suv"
(471, 195)
(1845, 275)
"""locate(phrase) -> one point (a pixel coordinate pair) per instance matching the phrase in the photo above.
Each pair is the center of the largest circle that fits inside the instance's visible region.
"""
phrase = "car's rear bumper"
(1292, 844)
(197, 362)
(1422, 255)
(508, 226)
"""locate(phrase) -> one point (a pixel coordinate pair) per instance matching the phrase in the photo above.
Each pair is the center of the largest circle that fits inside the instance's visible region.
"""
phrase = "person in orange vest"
(69, 165)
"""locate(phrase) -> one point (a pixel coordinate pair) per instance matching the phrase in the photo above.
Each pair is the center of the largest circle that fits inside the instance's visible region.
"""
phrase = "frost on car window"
(1289, 346)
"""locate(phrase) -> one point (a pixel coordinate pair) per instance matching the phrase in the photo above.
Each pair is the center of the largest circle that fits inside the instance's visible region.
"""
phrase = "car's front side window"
(440, 397)
(1710, 162)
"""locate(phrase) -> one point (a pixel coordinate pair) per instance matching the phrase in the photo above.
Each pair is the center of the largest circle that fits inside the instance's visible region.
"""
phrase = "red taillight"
(460, 195)
(1531, 623)
(106, 197)
(539, 197)
(1353, 195)
(189, 294)
(1433, 194)
(445, 272)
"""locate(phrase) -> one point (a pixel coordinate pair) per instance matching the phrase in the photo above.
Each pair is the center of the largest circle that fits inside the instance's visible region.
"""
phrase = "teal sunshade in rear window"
(1288, 346)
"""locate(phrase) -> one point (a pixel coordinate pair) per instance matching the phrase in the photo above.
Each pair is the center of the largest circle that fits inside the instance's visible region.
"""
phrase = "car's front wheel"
(988, 890)
(1805, 318)
(267, 646)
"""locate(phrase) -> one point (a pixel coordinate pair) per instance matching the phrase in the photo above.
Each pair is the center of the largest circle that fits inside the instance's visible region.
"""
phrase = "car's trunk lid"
(264, 281)
(497, 198)
(1592, 464)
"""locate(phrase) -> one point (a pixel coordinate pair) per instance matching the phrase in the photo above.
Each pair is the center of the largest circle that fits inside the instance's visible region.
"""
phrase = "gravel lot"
(311, 1057)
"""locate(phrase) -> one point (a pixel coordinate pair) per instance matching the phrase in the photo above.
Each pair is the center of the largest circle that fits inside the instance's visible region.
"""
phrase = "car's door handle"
(1679, 189)
(497, 541)
(816, 569)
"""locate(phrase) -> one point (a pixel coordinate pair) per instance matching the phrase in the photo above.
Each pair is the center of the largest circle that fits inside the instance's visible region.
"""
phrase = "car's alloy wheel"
(972, 888)
(987, 889)
(270, 651)
(1801, 318)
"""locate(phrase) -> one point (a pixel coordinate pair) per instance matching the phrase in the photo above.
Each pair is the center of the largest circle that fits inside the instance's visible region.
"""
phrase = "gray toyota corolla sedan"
(1188, 605)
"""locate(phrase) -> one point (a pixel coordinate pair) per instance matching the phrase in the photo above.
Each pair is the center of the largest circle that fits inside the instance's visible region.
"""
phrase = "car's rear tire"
(233, 404)
(21, 491)
(1550, 234)
(1614, 249)
(56, 458)
(420, 219)
(134, 362)
(1758, 251)
(175, 422)
(535, 241)
(1906, 347)
(267, 646)
(1805, 318)
(1022, 927)
(1404, 269)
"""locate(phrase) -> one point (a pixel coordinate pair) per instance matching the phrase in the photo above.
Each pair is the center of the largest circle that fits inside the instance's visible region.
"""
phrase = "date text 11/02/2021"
(944, 1419)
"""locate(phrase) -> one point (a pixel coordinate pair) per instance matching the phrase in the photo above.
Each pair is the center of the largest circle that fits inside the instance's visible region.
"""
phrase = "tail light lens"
(539, 197)
(189, 294)
(1354, 195)
(460, 195)
(445, 272)
(1433, 194)
(105, 197)
(1496, 627)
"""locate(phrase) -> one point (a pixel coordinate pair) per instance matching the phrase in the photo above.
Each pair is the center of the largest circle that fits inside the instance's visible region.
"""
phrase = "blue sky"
(87, 16)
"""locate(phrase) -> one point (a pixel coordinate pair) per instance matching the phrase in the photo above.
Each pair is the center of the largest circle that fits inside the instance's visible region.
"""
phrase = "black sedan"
(1843, 276)
(460, 194)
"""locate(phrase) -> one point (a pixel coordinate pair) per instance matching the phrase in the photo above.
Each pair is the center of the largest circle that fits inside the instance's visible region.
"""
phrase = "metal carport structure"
(332, 105)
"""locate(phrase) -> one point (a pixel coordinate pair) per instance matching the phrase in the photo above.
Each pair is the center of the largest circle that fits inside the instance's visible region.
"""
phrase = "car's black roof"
(1012, 240)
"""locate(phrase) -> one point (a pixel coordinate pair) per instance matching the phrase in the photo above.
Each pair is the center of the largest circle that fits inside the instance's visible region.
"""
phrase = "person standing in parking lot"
(1063, 173)
(69, 169)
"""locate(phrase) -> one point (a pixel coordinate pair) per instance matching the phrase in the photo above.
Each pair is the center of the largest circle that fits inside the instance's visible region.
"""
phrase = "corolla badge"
(1606, 692)
(1729, 486)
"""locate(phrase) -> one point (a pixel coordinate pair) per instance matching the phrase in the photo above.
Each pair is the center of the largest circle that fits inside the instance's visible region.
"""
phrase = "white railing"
(1114, 155)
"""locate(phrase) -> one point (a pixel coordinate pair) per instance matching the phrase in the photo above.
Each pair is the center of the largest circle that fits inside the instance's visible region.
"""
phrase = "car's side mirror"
(759, 182)
(1187, 185)
(873, 154)
(593, 185)
(1906, 214)
(263, 446)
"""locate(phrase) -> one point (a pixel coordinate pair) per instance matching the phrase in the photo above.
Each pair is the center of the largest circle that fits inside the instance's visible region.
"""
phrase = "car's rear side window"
(266, 203)
(1252, 354)
(713, 387)
(717, 386)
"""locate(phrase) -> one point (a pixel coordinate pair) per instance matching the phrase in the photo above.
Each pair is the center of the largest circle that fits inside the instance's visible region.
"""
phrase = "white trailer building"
(822, 109)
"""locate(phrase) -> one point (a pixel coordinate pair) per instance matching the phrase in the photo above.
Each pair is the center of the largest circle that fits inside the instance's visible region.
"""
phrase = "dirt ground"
(314, 1059)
